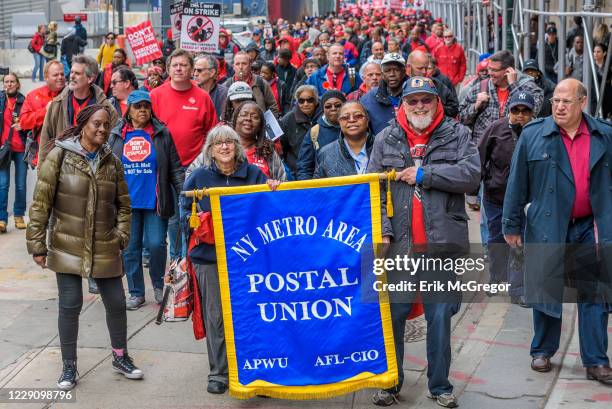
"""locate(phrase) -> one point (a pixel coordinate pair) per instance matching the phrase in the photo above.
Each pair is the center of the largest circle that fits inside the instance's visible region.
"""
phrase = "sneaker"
(125, 365)
(67, 380)
(20, 223)
(159, 295)
(134, 303)
(384, 398)
(2, 227)
(93, 286)
(447, 400)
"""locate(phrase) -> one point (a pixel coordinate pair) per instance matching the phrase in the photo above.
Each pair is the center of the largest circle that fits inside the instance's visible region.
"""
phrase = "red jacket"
(433, 41)
(296, 58)
(35, 107)
(38, 41)
(451, 61)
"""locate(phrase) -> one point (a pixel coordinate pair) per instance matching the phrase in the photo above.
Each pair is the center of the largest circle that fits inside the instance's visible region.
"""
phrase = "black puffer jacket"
(170, 172)
(496, 148)
(295, 124)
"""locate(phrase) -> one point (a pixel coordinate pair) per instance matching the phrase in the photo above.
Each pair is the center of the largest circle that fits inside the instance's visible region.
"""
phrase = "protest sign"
(143, 43)
(200, 25)
(176, 14)
(301, 317)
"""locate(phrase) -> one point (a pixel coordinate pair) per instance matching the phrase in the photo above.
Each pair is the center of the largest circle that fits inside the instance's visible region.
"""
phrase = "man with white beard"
(437, 162)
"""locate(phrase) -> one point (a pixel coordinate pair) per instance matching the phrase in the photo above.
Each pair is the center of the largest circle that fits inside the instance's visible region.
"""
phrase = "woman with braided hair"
(81, 202)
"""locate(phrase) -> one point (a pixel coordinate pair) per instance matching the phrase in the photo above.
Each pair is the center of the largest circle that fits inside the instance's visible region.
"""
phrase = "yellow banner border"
(259, 387)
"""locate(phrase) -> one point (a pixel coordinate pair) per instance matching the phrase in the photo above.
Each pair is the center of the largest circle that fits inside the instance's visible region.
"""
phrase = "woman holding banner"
(225, 164)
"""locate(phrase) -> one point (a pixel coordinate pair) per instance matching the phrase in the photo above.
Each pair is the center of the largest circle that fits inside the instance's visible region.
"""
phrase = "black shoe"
(93, 287)
(67, 380)
(216, 387)
(124, 365)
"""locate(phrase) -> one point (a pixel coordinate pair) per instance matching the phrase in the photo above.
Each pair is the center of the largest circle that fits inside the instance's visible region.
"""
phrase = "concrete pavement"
(490, 367)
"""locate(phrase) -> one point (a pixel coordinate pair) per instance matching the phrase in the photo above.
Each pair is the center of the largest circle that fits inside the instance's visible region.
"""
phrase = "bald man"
(560, 183)
(418, 66)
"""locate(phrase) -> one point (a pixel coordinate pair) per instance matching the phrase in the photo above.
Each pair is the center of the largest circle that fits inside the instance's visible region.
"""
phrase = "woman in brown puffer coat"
(79, 223)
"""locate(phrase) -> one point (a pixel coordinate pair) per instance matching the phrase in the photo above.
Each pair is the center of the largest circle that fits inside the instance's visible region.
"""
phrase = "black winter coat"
(334, 160)
(295, 125)
(170, 172)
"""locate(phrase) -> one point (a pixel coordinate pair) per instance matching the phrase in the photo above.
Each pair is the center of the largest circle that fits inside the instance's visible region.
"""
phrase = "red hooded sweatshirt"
(296, 58)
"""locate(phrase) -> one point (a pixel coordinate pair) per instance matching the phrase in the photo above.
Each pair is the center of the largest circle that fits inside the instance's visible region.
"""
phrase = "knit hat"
(333, 94)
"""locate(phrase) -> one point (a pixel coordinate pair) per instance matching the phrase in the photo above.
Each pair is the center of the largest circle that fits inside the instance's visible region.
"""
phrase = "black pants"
(70, 289)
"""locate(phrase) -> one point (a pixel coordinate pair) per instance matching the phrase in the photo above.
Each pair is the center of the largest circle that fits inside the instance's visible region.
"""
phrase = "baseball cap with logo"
(393, 57)
(522, 98)
(239, 90)
(418, 85)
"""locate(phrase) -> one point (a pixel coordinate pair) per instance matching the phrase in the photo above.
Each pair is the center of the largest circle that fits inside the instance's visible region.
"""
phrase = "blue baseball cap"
(522, 98)
(138, 96)
(418, 85)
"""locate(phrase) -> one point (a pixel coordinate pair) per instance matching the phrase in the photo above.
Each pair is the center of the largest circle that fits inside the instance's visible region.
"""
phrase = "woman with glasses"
(296, 123)
(350, 153)
(248, 121)
(107, 49)
(224, 164)
(152, 168)
(326, 131)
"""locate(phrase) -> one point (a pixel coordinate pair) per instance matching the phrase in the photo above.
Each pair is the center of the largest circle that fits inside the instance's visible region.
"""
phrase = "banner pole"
(204, 192)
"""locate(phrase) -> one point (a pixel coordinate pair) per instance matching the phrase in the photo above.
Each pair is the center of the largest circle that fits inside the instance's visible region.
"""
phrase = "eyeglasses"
(246, 115)
(355, 116)
(564, 102)
(199, 70)
(221, 143)
(331, 106)
(114, 82)
(141, 105)
(517, 111)
(415, 101)
(303, 101)
(110, 38)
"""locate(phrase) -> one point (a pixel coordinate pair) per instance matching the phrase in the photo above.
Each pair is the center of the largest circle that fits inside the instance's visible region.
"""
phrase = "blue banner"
(292, 288)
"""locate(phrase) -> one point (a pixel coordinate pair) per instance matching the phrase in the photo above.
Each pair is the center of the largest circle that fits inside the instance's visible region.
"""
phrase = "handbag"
(31, 48)
(31, 150)
(5, 153)
(177, 304)
(50, 49)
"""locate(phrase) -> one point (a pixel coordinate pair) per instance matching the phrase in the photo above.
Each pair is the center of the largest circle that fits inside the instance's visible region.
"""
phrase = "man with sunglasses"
(437, 163)
(560, 183)
(205, 74)
(487, 100)
(496, 148)
(451, 58)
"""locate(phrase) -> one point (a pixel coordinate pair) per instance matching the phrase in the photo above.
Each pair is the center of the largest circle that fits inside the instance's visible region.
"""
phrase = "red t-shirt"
(16, 143)
(261, 163)
(579, 153)
(502, 97)
(189, 115)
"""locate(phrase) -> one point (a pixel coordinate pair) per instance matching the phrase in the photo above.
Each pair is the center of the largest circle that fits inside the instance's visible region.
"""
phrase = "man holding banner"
(437, 163)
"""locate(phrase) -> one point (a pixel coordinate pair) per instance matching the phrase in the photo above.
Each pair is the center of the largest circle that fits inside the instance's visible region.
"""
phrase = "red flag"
(143, 43)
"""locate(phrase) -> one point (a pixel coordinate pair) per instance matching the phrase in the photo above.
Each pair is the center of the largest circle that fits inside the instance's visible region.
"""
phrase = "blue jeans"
(155, 227)
(173, 230)
(592, 317)
(21, 171)
(438, 317)
(39, 64)
(500, 267)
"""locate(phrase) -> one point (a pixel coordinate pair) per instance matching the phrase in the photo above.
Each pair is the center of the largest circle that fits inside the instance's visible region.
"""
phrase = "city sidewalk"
(490, 367)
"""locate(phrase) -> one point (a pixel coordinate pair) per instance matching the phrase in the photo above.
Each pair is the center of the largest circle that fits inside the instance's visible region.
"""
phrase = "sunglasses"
(448, 36)
(356, 116)
(415, 101)
(303, 101)
(141, 105)
(115, 82)
(331, 106)
(524, 111)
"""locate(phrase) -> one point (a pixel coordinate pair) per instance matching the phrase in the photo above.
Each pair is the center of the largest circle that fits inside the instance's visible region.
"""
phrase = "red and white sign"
(137, 149)
(70, 17)
(143, 43)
